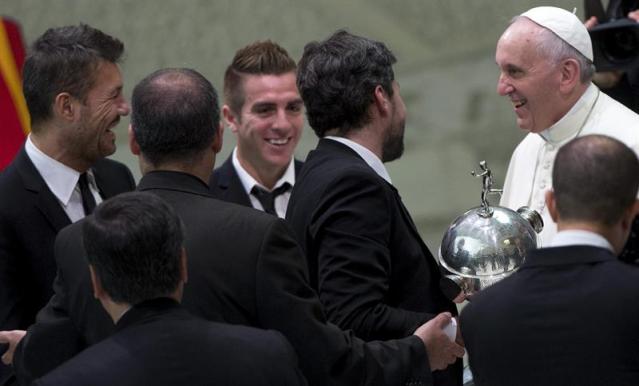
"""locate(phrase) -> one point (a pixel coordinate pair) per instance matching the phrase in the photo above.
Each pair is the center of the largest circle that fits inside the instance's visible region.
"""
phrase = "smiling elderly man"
(545, 62)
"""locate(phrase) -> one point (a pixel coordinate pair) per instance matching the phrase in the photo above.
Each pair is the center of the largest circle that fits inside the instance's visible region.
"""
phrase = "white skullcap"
(564, 24)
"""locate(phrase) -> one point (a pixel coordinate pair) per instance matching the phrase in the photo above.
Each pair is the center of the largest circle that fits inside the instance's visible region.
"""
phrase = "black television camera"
(615, 40)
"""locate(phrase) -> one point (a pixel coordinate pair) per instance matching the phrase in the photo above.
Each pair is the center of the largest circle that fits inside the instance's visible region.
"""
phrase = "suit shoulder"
(239, 215)
(10, 182)
(339, 169)
(219, 171)
(15, 192)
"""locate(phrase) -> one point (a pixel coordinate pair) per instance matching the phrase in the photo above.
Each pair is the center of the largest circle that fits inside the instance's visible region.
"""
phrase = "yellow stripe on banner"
(9, 72)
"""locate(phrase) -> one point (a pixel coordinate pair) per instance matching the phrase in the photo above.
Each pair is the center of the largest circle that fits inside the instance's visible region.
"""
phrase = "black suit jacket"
(244, 268)
(158, 343)
(226, 185)
(371, 268)
(30, 218)
(569, 316)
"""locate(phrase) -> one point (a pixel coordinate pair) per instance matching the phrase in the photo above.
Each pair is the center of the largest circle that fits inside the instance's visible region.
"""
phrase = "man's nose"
(503, 86)
(282, 120)
(123, 108)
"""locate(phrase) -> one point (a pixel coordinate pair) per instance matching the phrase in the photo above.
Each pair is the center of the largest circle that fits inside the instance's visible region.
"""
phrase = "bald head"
(175, 115)
(595, 180)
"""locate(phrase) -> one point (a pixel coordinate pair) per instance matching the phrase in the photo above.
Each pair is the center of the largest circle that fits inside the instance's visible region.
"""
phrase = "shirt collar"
(580, 237)
(248, 181)
(571, 124)
(369, 157)
(60, 178)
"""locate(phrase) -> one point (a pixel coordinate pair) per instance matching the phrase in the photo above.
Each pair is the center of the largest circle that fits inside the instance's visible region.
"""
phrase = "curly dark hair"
(336, 79)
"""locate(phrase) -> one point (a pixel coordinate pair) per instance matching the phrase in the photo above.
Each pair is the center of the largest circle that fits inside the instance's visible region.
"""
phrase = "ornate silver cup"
(487, 243)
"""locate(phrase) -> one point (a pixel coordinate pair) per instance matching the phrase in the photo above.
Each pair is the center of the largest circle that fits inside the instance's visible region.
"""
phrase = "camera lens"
(620, 45)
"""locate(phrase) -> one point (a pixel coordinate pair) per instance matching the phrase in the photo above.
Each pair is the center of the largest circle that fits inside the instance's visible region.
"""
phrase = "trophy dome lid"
(478, 245)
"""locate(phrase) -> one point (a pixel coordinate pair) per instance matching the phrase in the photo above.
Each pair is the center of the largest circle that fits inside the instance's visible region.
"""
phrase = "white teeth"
(519, 103)
(282, 141)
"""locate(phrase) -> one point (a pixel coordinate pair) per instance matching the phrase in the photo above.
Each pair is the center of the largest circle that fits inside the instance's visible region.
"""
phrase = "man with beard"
(366, 259)
(73, 89)
(260, 281)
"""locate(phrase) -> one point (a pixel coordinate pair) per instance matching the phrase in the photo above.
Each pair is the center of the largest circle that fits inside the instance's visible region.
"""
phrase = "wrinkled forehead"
(521, 31)
(520, 39)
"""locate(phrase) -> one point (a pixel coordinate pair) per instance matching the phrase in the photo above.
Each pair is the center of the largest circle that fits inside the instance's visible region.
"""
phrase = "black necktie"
(88, 201)
(267, 199)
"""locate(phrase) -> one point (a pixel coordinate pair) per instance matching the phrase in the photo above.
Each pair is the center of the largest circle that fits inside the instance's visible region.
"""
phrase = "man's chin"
(524, 125)
(108, 151)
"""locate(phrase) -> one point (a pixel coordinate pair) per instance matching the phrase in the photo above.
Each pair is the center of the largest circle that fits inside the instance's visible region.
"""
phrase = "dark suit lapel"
(111, 178)
(46, 202)
(298, 167)
(102, 182)
(331, 146)
(228, 187)
(407, 217)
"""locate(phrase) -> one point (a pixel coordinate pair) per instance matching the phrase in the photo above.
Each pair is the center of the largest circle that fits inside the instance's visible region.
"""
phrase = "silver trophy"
(487, 243)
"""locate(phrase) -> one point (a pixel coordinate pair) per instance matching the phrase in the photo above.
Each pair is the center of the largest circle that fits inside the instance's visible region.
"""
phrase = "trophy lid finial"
(487, 187)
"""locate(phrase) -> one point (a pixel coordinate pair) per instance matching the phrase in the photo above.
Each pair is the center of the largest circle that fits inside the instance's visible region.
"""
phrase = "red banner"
(14, 116)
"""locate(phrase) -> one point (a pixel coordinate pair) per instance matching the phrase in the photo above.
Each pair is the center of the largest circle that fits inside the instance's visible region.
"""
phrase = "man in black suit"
(265, 112)
(73, 89)
(138, 270)
(569, 315)
(244, 266)
(366, 259)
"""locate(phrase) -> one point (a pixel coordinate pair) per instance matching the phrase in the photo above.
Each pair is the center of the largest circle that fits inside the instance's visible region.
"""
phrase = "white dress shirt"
(248, 182)
(62, 181)
(369, 157)
(580, 237)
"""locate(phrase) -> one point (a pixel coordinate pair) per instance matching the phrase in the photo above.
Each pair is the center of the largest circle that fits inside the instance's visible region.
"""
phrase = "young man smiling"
(265, 112)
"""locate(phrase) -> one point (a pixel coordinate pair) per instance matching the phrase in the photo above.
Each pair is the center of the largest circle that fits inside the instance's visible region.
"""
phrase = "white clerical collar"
(248, 182)
(369, 157)
(570, 125)
(60, 178)
(580, 237)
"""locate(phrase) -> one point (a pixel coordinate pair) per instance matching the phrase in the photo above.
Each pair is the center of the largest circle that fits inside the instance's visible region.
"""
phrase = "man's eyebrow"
(262, 104)
(116, 90)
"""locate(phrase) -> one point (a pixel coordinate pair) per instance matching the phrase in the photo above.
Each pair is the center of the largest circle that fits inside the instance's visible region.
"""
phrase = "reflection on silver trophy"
(487, 243)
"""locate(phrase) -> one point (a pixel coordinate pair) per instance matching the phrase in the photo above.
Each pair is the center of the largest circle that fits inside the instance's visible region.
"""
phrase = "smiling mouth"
(519, 103)
(278, 141)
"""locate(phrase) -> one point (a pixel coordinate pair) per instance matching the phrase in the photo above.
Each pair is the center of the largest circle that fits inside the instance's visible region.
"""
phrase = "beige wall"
(446, 70)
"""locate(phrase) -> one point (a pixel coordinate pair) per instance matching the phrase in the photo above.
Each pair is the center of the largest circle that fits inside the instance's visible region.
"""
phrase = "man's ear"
(629, 215)
(382, 101)
(98, 290)
(219, 139)
(133, 143)
(184, 272)
(232, 120)
(551, 204)
(65, 106)
(570, 75)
